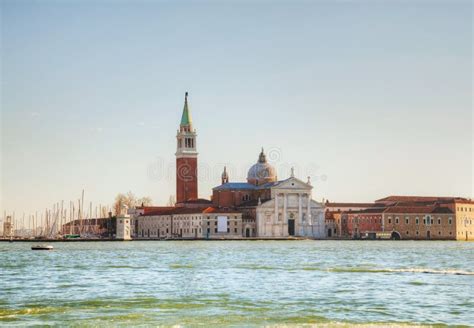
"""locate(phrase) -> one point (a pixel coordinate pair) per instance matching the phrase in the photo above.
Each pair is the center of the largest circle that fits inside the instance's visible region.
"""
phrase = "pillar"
(283, 233)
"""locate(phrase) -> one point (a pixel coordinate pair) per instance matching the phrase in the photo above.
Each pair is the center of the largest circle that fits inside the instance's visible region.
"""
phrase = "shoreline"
(204, 239)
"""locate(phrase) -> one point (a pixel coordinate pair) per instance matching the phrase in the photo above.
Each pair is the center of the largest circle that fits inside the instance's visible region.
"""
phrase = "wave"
(405, 270)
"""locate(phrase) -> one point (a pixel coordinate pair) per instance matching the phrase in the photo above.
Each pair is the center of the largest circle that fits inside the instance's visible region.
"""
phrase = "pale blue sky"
(370, 98)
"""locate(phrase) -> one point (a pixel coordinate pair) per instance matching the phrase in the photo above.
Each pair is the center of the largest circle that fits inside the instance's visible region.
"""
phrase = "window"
(389, 221)
(439, 220)
(417, 220)
(396, 220)
(407, 220)
(215, 230)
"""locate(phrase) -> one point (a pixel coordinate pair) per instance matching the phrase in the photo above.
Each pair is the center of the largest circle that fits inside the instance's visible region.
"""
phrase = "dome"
(261, 172)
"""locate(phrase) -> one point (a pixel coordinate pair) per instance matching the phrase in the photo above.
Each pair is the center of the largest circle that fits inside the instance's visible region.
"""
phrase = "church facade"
(273, 208)
(261, 207)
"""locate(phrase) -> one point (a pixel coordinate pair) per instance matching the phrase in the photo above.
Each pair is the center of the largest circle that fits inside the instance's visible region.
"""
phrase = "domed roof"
(261, 172)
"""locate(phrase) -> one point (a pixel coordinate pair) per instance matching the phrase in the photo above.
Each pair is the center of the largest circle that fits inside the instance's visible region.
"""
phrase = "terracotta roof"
(329, 204)
(417, 209)
(187, 210)
(174, 211)
(374, 210)
(416, 199)
(198, 201)
(147, 209)
(219, 210)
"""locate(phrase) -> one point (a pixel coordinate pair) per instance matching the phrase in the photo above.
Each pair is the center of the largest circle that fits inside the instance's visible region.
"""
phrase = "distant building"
(272, 208)
(123, 228)
(8, 227)
(335, 211)
(420, 222)
(362, 223)
(464, 211)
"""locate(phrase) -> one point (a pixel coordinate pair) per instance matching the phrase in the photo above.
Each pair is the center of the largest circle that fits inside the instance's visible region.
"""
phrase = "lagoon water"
(238, 283)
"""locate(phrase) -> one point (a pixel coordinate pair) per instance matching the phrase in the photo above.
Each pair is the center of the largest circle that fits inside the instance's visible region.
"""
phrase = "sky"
(368, 98)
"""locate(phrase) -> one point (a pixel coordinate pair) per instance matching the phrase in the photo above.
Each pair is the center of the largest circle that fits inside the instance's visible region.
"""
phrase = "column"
(308, 215)
(276, 208)
(284, 221)
(300, 214)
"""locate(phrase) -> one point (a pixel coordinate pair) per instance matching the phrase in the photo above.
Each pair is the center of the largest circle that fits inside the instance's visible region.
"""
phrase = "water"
(238, 283)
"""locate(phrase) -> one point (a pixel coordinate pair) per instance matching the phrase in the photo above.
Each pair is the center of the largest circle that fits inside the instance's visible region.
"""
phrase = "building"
(462, 209)
(123, 228)
(272, 208)
(101, 227)
(464, 212)
(420, 222)
(8, 227)
(335, 212)
(188, 223)
(366, 223)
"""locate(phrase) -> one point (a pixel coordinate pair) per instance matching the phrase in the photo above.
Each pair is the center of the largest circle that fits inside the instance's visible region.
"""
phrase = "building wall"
(187, 226)
(362, 223)
(234, 226)
(417, 226)
(464, 220)
(275, 223)
(146, 227)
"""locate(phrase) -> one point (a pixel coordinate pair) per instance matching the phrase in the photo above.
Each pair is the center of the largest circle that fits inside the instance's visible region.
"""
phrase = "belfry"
(186, 158)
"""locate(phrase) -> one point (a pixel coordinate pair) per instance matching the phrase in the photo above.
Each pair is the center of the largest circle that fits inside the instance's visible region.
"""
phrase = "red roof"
(187, 210)
(356, 205)
(415, 199)
(417, 209)
(219, 210)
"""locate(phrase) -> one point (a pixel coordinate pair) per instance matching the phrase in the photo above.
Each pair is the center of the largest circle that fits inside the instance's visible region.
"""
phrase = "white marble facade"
(291, 212)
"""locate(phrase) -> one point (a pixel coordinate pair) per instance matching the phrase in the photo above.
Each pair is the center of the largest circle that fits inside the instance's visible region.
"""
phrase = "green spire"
(186, 118)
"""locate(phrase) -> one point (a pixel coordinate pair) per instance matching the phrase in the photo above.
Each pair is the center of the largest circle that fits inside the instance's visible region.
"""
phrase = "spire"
(186, 118)
(225, 176)
(262, 158)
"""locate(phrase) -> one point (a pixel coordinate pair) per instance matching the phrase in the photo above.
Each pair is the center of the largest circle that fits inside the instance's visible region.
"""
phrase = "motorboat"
(42, 248)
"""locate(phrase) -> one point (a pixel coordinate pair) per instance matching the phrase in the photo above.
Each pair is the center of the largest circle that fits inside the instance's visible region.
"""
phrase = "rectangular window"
(439, 220)
(450, 220)
(407, 220)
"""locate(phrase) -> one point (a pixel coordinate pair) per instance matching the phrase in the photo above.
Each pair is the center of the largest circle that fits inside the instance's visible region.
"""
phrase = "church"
(272, 208)
(261, 207)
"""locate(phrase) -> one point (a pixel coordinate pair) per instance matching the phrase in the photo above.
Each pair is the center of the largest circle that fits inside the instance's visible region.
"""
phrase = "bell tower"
(186, 158)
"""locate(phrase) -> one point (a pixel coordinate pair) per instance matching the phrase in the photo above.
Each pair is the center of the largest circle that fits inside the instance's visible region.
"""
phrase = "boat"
(42, 248)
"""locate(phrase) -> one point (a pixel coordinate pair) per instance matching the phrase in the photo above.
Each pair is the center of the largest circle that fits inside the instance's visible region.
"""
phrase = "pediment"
(292, 184)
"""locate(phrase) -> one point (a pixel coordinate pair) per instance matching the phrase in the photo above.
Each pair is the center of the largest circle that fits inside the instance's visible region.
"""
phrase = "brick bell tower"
(186, 158)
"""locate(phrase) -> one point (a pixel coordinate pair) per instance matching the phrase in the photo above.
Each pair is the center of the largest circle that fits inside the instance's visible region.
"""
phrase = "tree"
(144, 201)
(130, 200)
(171, 201)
